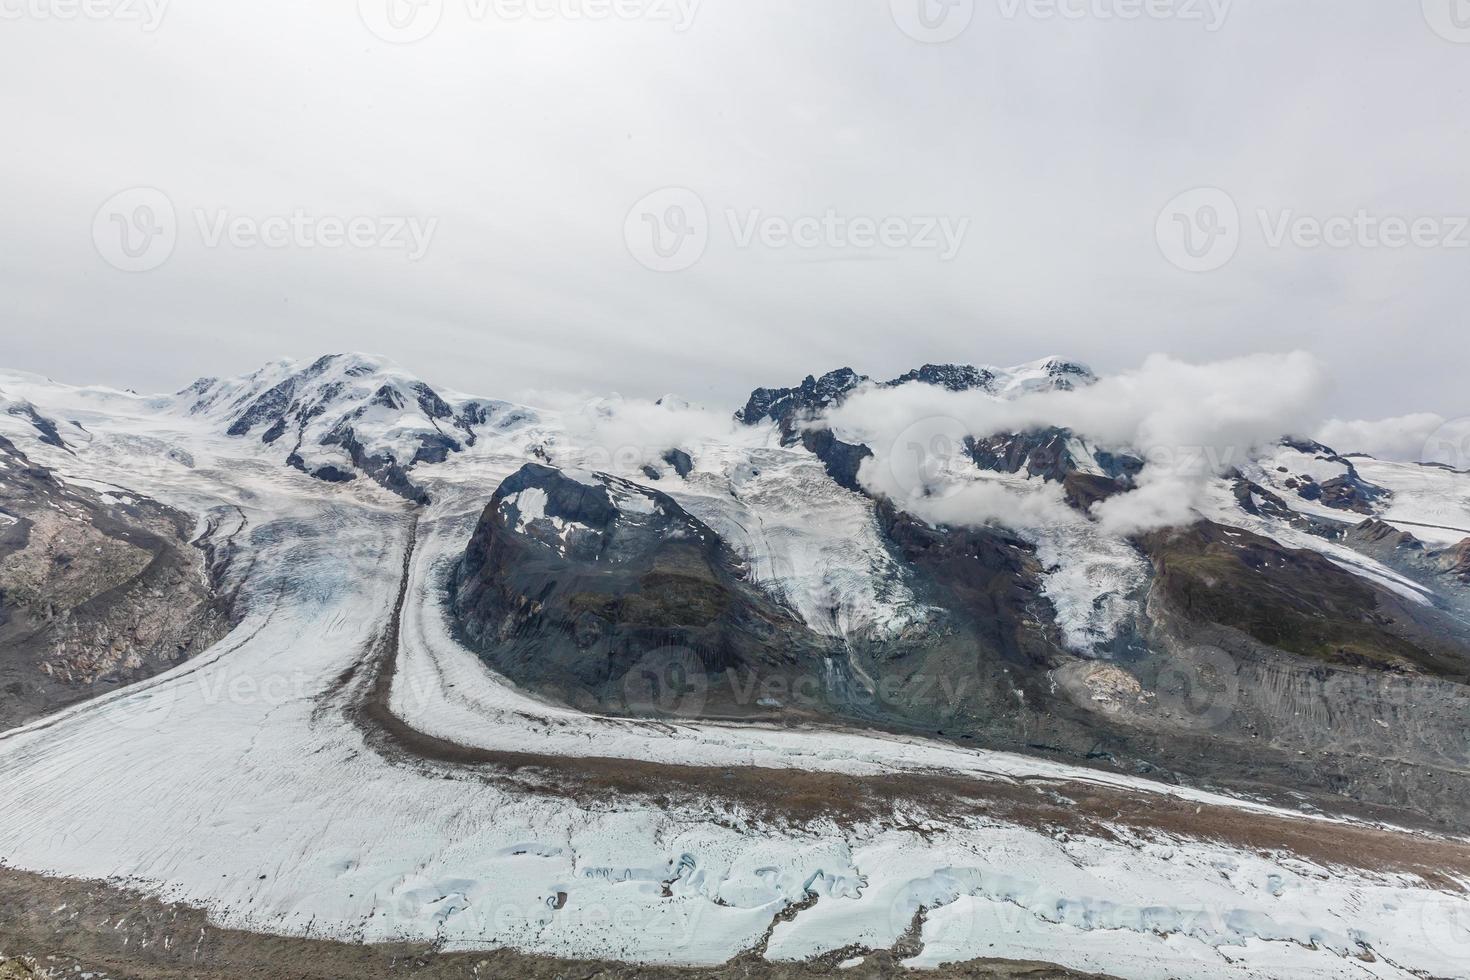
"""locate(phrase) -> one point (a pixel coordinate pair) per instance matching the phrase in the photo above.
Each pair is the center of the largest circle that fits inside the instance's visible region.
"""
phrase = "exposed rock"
(789, 406)
(1050, 454)
(955, 377)
(1347, 491)
(577, 585)
(680, 461)
(1374, 531)
(1297, 601)
(841, 459)
(1456, 560)
(95, 590)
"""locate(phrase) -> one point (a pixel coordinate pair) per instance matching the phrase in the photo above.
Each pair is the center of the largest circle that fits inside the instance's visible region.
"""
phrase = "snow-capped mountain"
(348, 414)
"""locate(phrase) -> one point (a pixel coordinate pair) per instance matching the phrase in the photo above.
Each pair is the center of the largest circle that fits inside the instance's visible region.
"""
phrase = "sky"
(650, 196)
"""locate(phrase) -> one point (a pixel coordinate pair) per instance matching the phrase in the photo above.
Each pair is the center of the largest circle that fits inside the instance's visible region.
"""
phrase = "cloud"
(789, 109)
(1190, 422)
(1403, 439)
(621, 435)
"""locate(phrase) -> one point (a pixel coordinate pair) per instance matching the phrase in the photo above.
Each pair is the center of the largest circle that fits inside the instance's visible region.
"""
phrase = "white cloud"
(620, 435)
(1402, 439)
(1190, 422)
(787, 108)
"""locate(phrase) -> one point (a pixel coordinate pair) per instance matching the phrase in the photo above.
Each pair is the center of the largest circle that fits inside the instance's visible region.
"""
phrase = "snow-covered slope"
(348, 414)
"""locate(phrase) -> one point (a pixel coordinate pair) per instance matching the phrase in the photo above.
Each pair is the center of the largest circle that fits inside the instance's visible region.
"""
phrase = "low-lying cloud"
(1405, 438)
(1190, 422)
(621, 435)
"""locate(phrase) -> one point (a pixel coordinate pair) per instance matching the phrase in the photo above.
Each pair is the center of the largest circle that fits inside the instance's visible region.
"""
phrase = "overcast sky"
(832, 182)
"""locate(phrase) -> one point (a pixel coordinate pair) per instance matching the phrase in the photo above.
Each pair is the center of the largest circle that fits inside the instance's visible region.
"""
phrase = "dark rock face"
(1257, 501)
(841, 459)
(381, 468)
(1051, 454)
(955, 377)
(788, 406)
(580, 587)
(680, 461)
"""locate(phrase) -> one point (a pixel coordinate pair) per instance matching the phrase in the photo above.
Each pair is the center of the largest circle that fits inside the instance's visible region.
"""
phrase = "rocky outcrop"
(1456, 561)
(1346, 491)
(842, 460)
(96, 590)
(584, 586)
(1300, 602)
(954, 377)
(1050, 454)
(789, 406)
